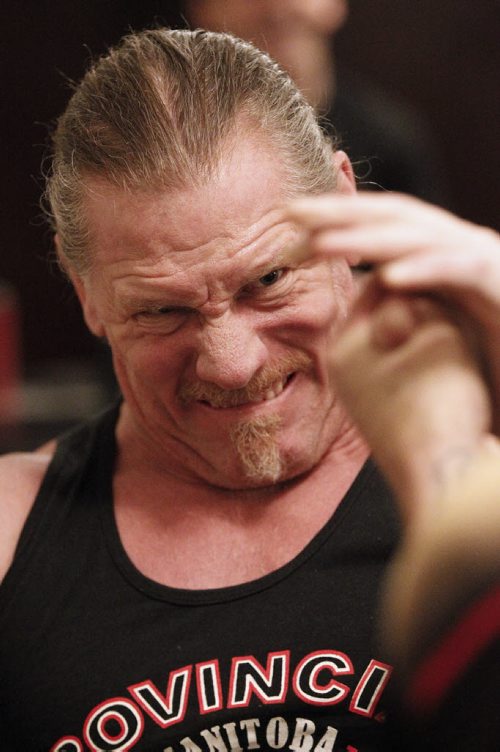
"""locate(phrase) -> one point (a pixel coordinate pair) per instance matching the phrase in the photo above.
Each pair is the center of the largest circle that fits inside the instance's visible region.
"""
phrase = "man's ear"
(346, 184)
(90, 315)
(346, 180)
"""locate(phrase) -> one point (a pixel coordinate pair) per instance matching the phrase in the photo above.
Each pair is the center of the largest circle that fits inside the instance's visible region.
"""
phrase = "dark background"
(441, 56)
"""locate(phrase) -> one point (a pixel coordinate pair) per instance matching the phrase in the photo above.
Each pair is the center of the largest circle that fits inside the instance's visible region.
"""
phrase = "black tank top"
(95, 656)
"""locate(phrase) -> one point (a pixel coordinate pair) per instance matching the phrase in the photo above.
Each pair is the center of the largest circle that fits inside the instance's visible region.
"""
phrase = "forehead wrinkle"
(234, 240)
(211, 225)
(137, 290)
(214, 258)
(173, 251)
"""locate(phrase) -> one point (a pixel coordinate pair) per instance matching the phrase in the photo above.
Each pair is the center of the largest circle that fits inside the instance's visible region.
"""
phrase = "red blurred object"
(10, 356)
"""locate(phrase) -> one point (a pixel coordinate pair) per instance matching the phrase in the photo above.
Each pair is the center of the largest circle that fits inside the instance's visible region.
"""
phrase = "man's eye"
(279, 279)
(166, 311)
(156, 312)
(164, 318)
(271, 277)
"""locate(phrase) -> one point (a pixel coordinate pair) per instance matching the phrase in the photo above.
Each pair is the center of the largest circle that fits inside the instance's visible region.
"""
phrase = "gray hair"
(158, 111)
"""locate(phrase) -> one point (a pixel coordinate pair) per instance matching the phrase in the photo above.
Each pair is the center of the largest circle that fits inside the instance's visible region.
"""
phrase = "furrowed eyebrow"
(139, 303)
(295, 253)
(290, 255)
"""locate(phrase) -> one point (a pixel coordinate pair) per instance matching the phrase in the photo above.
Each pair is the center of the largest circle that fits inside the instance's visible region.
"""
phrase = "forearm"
(449, 552)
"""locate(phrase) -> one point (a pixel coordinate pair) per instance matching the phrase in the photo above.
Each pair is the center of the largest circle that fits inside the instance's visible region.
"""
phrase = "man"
(146, 556)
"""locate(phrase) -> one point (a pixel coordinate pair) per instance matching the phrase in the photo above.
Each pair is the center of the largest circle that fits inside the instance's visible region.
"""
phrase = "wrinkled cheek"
(125, 376)
(140, 359)
(345, 287)
(137, 372)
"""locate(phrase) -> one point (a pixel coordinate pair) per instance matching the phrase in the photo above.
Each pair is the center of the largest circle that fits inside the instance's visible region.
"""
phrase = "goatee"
(257, 445)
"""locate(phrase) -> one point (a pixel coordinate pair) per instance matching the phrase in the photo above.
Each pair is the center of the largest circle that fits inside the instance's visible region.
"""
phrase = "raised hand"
(411, 383)
(415, 248)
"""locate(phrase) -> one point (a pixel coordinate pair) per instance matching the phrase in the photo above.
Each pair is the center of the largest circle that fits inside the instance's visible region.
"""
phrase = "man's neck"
(191, 534)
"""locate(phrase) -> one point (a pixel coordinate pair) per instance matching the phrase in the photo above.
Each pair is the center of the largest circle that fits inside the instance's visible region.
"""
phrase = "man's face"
(220, 341)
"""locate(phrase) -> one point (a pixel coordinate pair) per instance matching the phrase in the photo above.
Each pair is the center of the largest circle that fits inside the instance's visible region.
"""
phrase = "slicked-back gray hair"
(157, 112)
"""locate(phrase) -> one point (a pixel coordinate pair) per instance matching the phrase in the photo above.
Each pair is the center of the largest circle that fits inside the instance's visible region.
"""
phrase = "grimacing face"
(220, 343)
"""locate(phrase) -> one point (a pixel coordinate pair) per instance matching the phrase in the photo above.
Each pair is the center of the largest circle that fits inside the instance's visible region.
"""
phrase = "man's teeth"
(272, 392)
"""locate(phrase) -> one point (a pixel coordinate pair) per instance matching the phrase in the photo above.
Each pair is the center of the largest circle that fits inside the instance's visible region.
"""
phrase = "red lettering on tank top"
(169, 708)
(209, 686)
(310, 681)
(121, 712)
(370, 687)
(249, 677)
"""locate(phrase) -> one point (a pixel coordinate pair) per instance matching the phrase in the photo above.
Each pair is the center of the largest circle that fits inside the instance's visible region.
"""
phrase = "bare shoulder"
(21, 475)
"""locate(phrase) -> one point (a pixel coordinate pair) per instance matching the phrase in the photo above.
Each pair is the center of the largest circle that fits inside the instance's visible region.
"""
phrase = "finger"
(397, 318)
(370, 294)
(305, 249)
(471, 277)
(361, 248)
(471, 267)
(339, 210)
(373, 243)
(348, 355)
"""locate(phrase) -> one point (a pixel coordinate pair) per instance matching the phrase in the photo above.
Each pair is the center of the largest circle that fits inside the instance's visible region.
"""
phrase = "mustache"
(265, 379)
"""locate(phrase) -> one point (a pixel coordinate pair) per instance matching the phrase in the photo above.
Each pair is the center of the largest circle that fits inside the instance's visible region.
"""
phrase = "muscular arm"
(20, 479)
(424, 398)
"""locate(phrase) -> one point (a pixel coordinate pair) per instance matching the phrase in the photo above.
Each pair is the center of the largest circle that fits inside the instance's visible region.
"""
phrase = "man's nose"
(230, 351)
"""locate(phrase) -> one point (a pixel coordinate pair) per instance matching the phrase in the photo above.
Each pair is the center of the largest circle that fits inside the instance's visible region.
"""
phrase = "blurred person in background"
(390, 144)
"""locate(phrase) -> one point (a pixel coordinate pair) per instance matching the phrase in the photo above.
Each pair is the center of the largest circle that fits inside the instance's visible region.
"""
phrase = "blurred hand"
(411, 383)
(416, 248)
